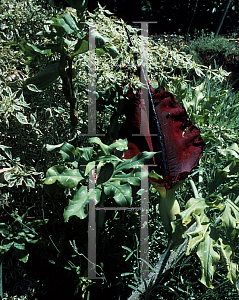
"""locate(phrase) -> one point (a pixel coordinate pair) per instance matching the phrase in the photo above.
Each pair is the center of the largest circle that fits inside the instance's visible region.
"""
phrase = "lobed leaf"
(198, 235)
(230, 219)
(193, 207)
(226, 254)
(78, 206)
(209, 258)
(122, 193)
(68, 178)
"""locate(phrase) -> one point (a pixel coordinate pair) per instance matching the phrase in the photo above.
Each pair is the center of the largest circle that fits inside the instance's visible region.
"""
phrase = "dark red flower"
(179, 136)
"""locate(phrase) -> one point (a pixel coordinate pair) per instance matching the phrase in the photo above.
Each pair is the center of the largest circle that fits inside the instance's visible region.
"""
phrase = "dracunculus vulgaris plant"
(169, 132)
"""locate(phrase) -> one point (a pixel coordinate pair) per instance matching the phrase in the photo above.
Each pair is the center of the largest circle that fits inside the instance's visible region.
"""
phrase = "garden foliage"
(45, 82)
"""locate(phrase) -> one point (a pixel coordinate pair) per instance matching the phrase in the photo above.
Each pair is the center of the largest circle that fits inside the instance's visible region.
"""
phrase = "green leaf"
(122, 193)
(119, 146)
(89, 167)
(224, 174)
(84, 154)
(66, 177)
(198, 235)
(209, 258)
(105, 173)
(53, 147)
(4, 229)
(79, 205)
(7, 151)
(99, 51)
(61, 22)
(197, 97)
(100, 40)
(113, 52)
(132, 178)
(139, 160)
(21, 118)
(226, 254)
(67, 152)
(33, 88)
(227, 189)
(230, 219)
(41, 51)
(43, 79)
(29, 182)
(70, 21)
(82, 46)
(193, 207)
(233, 150)
(155, 175)
(104, 148)
(79, 5)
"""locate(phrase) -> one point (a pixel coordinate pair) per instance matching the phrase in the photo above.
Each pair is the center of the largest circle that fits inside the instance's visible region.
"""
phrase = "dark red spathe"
(184, 145)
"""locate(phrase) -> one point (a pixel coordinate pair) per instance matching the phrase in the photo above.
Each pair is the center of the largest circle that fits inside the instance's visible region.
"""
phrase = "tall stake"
(223, 17)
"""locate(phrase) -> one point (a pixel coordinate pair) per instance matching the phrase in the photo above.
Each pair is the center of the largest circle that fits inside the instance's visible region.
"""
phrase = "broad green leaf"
(43, 79)
(224, 174)
(105, 173)
(70, 21)
(141, 173)
(139, 160)
(61, 22)
(6, 244)
(132, 178)
(197, 97)
(21, 118)
(193, 207)
(82, 46)
(41, 51)
(227, 189)
(195, 237)
(84, 154)
(122, 193)
(194, 210)
(67, 152)
(89, 167)
(105, 149)
(66, 177)
(100, 40)
(119, 146)
(226, 254)
(230, 219)
(30, 51)
(233, 167)
(209, 258)
(155, 175)
(78, 206)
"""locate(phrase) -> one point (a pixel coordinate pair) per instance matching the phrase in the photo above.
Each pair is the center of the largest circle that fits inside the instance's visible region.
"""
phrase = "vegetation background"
(44, 257)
